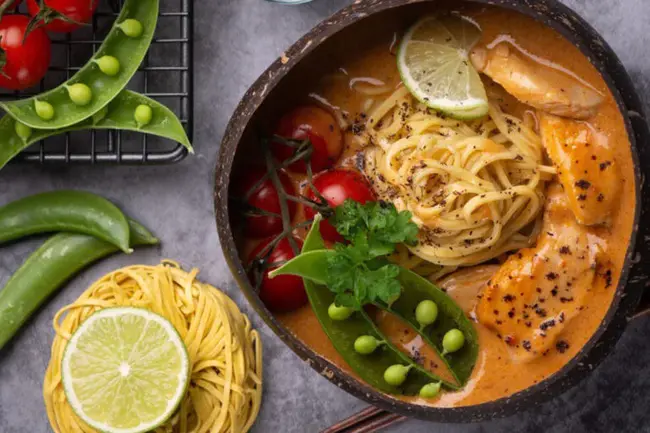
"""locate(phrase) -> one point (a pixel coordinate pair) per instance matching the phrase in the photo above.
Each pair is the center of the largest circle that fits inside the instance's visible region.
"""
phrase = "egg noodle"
(475, 188)
(225, 353)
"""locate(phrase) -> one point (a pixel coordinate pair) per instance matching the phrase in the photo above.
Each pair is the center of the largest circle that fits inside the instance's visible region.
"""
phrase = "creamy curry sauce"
(496, 373)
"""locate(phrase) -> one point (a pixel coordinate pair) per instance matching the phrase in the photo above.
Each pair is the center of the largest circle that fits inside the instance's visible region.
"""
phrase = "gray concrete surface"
(235, 41)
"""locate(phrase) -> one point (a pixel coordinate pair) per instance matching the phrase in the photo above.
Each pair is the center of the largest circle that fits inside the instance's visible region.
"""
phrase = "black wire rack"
(165, 75)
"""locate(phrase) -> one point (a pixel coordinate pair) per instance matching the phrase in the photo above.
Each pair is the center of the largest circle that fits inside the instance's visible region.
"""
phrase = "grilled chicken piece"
(586, 167)
(537, 291)
(535, 84)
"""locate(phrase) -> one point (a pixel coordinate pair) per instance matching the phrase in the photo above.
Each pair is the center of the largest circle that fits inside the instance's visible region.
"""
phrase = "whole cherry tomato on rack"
(336, 186)
(62, 16)
(283, 293)
(313, 124)
(22, 65)
(263, 197)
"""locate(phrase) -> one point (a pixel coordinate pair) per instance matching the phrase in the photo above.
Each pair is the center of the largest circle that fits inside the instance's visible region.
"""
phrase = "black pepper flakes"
(583, 184)
(551, 276)
(561, 346)
(547, 324)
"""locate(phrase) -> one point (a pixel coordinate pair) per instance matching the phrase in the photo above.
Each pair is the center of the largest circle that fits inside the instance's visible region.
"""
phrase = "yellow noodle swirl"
(225, 353)
(476, 189)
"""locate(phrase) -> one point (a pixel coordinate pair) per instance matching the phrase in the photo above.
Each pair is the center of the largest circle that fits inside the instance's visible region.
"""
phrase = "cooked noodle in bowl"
(476, 189)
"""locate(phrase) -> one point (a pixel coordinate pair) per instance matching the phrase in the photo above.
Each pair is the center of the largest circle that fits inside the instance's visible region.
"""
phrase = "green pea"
(143, 115)
(132, 28)
(426, 313)
(108, 65)
(396, 374)
(337, 312)
(80, 94)
(453, 341)
(23, 131)
(366, 344)
(44, 110)
(430, 390)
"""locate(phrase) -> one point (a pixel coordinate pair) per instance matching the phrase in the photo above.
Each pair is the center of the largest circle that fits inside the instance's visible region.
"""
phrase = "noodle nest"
(476, 188)
(225, 353)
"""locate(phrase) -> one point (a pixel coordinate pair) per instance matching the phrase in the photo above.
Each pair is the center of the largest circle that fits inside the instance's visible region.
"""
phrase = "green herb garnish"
(356, 273)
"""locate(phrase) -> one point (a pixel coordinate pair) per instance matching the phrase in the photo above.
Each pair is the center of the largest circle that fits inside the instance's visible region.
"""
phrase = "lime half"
(433, 60)
(125, 370)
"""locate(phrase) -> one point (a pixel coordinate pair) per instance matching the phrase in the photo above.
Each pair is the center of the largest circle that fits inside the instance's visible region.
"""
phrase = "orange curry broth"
(495, 374)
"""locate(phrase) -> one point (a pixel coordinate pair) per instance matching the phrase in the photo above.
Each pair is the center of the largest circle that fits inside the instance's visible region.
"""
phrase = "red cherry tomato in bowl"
(320, 128)
(266, 198)
(286, 292)
(77, 13)
(336, 186)
(24, 64)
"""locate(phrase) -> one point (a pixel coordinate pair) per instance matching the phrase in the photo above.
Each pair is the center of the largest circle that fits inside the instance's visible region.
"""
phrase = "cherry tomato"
(24, 64)
(336, 186)
(322, 130)
(264, 197)
(80, 11)
(286, 292)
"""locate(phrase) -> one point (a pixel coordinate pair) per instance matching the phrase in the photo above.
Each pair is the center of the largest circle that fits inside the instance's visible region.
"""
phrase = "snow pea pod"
(104, 82)
(48, 268)
(65, 211)
(118, 115)
(343, 333)
(450, 316)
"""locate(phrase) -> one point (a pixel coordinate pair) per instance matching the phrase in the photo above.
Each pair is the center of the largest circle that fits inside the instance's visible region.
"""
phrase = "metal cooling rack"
(165, 75)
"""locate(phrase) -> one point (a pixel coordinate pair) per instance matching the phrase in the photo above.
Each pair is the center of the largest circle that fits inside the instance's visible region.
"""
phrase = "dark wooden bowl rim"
(630, 288)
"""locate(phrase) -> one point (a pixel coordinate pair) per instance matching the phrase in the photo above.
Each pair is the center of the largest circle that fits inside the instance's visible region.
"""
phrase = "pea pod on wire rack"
(371, 367)
(50, 266)
(65, 211)
(100, 80)
(119, 114)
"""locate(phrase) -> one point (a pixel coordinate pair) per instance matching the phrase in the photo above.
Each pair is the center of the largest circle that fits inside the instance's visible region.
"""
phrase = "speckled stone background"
(235, 41)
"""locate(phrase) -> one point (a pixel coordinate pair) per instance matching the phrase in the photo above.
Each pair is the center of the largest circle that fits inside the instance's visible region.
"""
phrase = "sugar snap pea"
(65, 211)
(344, 333)
(54, 263)
(450, 316)
(122, 44)
(417, 292)
(118, 115)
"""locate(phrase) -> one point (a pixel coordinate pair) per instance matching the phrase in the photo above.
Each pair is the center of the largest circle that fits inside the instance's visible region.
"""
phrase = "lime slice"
(125, 370)
(433, 60)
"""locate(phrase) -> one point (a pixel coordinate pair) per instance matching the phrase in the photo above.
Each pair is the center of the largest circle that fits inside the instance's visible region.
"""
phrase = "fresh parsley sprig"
(358, 273)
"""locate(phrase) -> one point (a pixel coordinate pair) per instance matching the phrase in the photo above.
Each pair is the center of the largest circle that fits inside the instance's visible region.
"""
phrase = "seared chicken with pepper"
(585, 165)
(535, 84)
(537, 291)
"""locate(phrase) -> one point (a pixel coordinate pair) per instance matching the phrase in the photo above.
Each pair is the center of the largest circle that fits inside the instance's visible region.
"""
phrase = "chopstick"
(369, 420)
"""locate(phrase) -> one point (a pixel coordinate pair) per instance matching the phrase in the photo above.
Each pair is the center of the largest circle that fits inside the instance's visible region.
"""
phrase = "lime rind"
(109, 352)
(433, 61)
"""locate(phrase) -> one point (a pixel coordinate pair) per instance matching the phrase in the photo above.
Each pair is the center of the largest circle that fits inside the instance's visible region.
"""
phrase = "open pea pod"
(104, 76)
(343, 333)
(118, 115)
(417, 289)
